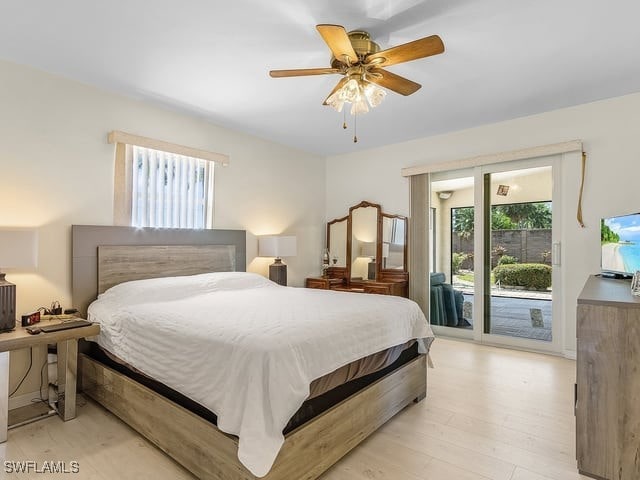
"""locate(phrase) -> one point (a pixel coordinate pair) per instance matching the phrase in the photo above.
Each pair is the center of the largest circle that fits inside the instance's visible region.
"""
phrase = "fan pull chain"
(355, 128)
(344, 119)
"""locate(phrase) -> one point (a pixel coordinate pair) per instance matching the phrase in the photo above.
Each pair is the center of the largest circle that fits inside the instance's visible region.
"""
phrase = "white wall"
(609, 130)
(56, 169)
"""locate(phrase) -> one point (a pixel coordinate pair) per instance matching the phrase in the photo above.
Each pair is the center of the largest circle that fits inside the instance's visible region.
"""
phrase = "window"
(170, 190)
(162, 185)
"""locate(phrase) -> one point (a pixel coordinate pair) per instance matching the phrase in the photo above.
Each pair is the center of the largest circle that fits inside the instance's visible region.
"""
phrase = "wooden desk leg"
(4, 395)
(67, 376)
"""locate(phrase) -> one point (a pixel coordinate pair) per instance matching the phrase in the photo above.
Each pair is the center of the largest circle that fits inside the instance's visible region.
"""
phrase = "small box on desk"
(30, 318)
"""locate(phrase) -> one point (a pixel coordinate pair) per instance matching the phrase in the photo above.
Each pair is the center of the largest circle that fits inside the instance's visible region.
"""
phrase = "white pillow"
(176, 288)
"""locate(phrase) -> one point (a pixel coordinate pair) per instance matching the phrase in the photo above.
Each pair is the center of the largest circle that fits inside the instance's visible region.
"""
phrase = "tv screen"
(620, 239)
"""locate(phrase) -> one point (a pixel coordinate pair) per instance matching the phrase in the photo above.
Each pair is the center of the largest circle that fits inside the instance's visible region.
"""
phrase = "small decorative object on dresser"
(325, 261)
(635, 284)
(373, 245)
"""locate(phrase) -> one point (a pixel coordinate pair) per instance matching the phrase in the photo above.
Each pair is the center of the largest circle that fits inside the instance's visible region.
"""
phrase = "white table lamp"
(277, 246)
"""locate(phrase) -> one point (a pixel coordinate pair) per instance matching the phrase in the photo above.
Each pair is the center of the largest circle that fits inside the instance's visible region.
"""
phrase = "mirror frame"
(364, 204)
(406, 242)
(335, 271)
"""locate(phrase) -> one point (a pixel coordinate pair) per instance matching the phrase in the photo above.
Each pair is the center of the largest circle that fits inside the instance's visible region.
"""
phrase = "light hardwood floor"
(489, 414)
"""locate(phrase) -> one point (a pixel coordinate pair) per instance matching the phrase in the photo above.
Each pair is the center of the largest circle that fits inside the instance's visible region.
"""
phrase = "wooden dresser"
(398, 288)
(368, 249)
(323, 283)
(608, 381)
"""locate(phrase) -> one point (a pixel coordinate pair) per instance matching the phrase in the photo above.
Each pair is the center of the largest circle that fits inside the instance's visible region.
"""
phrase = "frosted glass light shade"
(359, 93)
(277, 246)
(375, 95)
(18, 248)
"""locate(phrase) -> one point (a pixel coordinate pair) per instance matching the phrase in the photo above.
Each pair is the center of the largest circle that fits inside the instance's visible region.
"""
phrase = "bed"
(306, 450)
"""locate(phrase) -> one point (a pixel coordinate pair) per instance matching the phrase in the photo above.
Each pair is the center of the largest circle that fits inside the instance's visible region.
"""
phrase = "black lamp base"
(278, 272)
(7, 305)
(371, 270)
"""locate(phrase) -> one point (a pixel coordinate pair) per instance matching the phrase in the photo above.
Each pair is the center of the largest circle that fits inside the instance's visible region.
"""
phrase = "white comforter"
(264, 343)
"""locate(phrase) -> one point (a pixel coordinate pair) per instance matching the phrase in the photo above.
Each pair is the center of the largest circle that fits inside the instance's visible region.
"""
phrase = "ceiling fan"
(360, 60)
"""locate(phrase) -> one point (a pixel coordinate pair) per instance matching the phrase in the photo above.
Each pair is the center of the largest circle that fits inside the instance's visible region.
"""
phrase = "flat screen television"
(620, 240)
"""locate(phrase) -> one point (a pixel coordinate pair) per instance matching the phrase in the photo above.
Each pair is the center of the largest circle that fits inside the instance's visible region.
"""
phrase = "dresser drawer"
(321, 283)
(379, 289)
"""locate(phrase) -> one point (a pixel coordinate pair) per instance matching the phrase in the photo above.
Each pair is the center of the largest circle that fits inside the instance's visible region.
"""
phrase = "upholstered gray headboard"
(128, 253)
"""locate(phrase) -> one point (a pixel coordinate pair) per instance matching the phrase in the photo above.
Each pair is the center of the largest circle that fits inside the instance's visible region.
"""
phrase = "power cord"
(54, 309)
(25, 375)
(45, 401)
(42, 400)
(46, 364)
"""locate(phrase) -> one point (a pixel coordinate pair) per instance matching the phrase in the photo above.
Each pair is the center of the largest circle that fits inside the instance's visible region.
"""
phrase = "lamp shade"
(368, 249)
(277, 246)
(18, 248)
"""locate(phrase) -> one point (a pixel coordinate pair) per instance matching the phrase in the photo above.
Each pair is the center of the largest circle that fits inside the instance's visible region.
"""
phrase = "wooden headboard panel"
(104, 256)
(123, 263)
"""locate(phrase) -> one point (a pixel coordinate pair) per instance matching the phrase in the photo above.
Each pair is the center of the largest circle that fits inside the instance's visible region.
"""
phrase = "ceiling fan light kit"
(360, 60)
(359, 93)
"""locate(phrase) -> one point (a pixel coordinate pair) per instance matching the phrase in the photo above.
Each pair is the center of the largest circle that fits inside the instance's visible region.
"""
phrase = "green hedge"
(507, 260)
(528, 275)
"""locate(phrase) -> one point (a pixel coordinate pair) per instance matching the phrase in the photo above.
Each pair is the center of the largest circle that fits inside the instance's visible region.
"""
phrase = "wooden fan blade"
(393, 82)
(336, 88)
(302, 72)
(425, 47)
(337, 39)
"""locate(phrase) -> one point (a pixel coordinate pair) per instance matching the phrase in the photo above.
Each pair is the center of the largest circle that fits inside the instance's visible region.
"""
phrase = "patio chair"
(446, 303)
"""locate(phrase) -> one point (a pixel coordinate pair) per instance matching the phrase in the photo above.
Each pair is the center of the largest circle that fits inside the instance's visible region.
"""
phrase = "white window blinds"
(170, 190)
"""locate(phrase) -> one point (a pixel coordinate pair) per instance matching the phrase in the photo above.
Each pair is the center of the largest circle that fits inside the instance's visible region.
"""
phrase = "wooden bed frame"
(193, 442)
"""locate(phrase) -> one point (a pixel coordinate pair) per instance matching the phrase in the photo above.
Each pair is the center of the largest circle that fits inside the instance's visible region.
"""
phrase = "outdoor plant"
(470, 260)
(546, 256)
(507, 260)
(529, 275)
(456, 260)
(498, 251)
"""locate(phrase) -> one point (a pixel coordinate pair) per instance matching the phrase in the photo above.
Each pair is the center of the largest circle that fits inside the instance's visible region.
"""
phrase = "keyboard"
(65, 326)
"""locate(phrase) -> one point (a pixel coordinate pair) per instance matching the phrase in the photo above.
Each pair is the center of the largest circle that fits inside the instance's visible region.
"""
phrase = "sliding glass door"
(518, 241)
(497, 269)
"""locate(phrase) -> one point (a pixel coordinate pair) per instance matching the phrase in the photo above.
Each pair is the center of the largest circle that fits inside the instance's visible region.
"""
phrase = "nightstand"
(67, 345)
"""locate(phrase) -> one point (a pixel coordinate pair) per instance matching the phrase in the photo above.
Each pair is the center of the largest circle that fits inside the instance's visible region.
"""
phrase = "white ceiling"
(503, 59)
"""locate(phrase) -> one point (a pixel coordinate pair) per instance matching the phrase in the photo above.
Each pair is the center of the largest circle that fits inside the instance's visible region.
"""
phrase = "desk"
(67, 343)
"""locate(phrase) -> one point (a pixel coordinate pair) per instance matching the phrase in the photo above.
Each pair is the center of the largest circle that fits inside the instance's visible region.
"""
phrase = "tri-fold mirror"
(367, 245)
